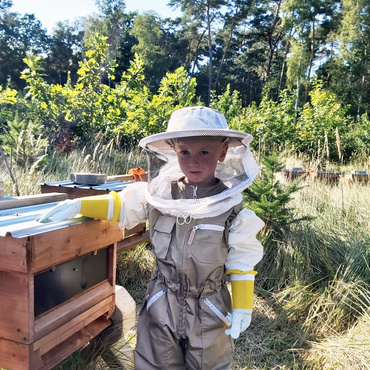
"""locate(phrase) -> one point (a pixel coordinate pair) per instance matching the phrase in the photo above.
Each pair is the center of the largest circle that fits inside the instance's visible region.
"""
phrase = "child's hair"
(220, 139)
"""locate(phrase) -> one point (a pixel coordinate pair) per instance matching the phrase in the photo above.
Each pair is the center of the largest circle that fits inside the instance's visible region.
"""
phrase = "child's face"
(198, 159)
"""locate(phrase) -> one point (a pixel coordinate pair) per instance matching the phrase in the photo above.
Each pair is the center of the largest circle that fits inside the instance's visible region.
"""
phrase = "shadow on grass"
(270, 342)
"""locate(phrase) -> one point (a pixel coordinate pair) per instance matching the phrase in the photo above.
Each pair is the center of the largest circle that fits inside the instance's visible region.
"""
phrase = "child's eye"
(204, 152)
(184, 152)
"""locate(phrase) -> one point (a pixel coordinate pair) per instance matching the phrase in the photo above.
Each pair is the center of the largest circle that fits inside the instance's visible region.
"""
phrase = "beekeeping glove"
(242, 288)
(104, 207)
(62, 211)
(128, 207)
(240, 319)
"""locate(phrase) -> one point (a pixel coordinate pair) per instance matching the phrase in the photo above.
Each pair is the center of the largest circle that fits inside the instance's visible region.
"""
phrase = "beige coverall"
(179, 325)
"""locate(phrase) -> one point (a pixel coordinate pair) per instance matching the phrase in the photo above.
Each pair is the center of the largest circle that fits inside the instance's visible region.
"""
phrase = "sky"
(49, 12)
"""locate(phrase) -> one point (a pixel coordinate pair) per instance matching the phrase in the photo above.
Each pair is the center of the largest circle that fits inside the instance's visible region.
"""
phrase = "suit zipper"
(154, 298)
(216, 311)
(204, 227)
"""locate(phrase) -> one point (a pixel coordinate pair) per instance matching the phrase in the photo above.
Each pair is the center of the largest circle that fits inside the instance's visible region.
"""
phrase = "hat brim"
(159, 141)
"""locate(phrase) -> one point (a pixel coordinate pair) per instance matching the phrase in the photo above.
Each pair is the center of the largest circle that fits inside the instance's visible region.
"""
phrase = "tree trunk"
(297, 98)
(194, 62)
(210, 65)
(363, 86)
(310, 63)
(271, 42)
(224, 56)
(282, 73)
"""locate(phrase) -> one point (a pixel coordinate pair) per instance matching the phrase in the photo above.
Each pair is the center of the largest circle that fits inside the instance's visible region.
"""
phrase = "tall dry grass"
(327, 292)
(348, 350)
(320, 319)
(58, 166)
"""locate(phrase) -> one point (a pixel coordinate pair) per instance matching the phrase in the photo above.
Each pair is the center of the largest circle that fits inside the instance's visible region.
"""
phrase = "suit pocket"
(206, 243)
(161, 237)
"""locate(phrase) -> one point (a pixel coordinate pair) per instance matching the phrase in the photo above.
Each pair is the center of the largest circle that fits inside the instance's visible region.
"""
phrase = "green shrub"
(270, 200)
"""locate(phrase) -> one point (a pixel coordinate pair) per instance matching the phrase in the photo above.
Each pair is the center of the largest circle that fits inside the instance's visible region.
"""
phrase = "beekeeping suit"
(202, 237)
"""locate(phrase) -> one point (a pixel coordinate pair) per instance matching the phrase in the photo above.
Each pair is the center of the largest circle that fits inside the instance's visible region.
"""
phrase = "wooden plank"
(111, 308)
(138, 229)
(31, 307)
(13, 254)
(132, 241)
(112, 262)
(59, 335)
(16, 356)
(58, 316)
(14, 307)
(73, 343)
(31, 200)
(72, 193)
(49, 249)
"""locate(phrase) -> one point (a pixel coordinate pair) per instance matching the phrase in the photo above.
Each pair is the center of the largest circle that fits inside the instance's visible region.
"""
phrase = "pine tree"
(269, 199)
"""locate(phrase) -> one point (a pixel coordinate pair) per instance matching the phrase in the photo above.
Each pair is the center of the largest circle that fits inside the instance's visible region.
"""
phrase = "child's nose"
(195, 162)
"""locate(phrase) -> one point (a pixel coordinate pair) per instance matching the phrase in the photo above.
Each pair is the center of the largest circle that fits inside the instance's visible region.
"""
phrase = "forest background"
(294, 74)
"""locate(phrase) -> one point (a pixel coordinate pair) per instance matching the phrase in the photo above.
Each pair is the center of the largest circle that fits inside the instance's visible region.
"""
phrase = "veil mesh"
(237, 172)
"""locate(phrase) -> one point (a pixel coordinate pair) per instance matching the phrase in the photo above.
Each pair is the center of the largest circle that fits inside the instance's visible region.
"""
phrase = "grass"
(321, 314)
(316, 313)
(59, 166)
(349, 350)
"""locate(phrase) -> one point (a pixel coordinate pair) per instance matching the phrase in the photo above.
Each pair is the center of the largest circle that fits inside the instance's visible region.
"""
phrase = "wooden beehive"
(358, 177)
(130, 238)
(328, 177)
(74, 190)
(57, 284)
(294, 173)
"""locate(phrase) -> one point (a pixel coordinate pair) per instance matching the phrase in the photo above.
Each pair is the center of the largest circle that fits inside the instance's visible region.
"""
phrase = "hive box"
(57, 289)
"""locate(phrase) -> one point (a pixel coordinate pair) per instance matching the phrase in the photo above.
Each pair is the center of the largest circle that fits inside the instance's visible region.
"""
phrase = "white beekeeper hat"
(237, 171)
(195, 122)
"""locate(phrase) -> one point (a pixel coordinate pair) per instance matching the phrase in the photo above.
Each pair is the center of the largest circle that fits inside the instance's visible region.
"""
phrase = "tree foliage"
(120, 75)
(269, 199)
(89, 107)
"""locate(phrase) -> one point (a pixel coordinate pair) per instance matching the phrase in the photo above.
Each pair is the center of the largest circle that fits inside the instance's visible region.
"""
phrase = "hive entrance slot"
(66, 280)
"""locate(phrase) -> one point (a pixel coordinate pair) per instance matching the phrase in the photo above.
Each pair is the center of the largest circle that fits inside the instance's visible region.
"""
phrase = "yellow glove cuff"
(242, 293)
(102, 207)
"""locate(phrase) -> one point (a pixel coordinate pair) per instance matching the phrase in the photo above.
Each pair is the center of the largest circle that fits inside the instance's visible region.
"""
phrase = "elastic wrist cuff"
(116, 206)
(234, 277)
(240, 272)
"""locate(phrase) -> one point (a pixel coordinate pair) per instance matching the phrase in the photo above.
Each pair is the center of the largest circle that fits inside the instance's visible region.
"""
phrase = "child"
(201, 237)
